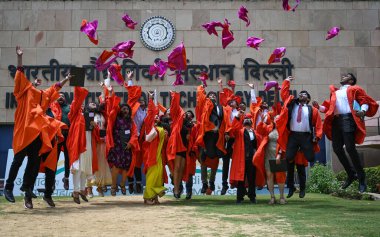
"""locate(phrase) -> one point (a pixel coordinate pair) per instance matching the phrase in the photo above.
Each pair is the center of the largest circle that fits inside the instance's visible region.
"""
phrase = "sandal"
(75, 196)
(89, 192)
(149, 202)
(113, 191)
(82, 194)
(156, 202)
(272, 201)
(100, 191)
(123, 190)
(282, 201)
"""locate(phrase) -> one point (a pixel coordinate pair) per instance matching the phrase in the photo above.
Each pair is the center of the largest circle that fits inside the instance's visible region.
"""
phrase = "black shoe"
(204, 188)
(8, 194)
(65, 183)
(253, 200)
(347, 183)
(177, 195)
(291, 192)
(239, 201)
(49, 201)
(83, 196)
(212, 186)
(138, 188)
(362, 187)
(28, 193)
(28, 204)
(188, 195)
(130, 188)
(302, 193)
(224, 190)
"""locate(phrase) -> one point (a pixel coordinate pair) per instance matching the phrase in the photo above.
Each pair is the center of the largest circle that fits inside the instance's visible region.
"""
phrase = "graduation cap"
(78, 74)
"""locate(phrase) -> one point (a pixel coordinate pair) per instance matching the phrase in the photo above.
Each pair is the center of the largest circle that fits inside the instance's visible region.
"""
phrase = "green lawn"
(316, 214)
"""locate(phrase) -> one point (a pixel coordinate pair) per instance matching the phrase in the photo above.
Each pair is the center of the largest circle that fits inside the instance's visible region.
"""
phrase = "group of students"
(105, 139)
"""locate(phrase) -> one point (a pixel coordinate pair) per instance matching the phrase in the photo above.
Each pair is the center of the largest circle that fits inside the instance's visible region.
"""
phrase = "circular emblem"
(157, 33)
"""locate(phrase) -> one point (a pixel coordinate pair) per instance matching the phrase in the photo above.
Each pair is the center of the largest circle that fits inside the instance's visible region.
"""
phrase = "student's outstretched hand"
(315, 104)
(19, 51)
(290, 78)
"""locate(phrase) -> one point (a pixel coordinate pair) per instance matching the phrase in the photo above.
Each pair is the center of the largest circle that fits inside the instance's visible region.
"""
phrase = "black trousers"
(226, 162)
(189, 184)
(343, 134)
(31, 168)
(300, 141)
(210, 139)
(138, 176)
(49, 178)
(301, 171)
(65, 152)
(250, 176)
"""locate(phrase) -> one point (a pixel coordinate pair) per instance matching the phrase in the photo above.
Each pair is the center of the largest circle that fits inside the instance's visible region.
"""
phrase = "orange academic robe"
(238, 154)
(353, 93)
(31, 120)
(134, 94)
(192, 148)
(150, 147)
(259, 158)
(282, 121)
(175, 144)
(113, 109)
(76, 138)
(200, 111)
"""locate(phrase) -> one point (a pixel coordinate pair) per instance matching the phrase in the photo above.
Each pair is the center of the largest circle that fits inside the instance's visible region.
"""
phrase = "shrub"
(322, 180)
(372, 177)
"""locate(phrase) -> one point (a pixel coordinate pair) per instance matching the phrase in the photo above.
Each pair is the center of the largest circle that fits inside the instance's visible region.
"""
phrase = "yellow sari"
(154, 176)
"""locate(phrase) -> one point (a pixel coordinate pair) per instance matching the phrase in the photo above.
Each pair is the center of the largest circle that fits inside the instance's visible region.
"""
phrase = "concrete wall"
(50, 29)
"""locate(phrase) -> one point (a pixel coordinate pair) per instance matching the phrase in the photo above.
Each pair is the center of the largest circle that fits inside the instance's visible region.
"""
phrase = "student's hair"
(243, 103)
(191, 112)
(96, 109)
(130, 111)
(307, 93)
(353, 78)
(211, 92)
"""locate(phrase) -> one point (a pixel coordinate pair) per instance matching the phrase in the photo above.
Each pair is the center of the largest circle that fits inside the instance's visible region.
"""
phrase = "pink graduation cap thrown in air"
(177, 58)
(124, 49)
(277, 55)
(178, 79)
(129, 22)
(243, 14)
(105, 60)
(203, 77)
(89, 28)
(227, 35)
(270, 84)
(159, 68)
(115, 70)
(332, 32)
(286, 6)
(254, 42)
(211, 27)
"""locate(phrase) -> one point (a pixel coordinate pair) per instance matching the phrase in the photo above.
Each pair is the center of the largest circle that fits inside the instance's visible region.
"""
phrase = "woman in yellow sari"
(154, 166)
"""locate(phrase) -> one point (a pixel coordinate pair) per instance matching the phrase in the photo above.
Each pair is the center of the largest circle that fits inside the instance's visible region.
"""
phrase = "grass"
(316, 214)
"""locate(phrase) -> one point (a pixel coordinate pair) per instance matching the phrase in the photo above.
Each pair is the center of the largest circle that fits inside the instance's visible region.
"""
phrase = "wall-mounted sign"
(157, 33)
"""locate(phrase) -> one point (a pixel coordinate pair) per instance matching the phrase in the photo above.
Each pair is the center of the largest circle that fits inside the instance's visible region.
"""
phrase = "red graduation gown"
(353, 93)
